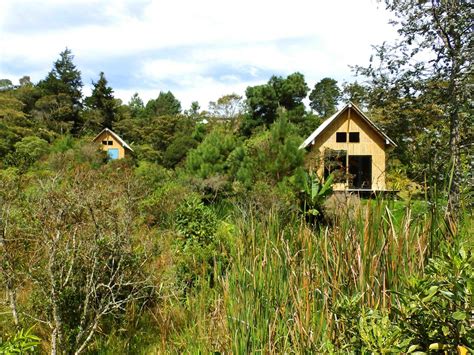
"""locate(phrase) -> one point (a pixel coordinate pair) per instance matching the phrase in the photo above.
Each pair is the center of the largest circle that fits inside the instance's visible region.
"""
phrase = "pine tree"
(65, 79)
(102, 99)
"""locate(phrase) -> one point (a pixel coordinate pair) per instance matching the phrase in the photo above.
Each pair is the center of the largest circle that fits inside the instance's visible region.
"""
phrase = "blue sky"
(200, 50)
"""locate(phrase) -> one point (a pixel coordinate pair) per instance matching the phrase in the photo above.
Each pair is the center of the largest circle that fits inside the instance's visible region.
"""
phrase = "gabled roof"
(116, 136)
(312, 137)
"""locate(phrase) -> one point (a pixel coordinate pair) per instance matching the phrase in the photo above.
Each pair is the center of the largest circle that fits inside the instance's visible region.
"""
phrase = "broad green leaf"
(459, 315)
(413, 348)
(431, 292)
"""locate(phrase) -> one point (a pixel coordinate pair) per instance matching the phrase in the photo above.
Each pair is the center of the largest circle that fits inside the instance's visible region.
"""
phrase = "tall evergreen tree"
(65, 80)
(167, 104)
(324, 97)
(102, 99)
(136, 105)
(264, 100)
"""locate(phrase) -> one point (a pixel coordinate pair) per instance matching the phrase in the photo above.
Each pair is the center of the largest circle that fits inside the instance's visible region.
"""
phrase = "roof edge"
(116, 136)
(331, 119)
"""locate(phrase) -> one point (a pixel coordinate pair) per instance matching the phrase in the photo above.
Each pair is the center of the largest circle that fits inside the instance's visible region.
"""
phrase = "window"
(110, 143)
(354, 137)
(104, 142)
(341, 137)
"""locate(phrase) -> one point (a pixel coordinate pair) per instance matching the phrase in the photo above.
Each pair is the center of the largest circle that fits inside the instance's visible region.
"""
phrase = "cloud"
(200, 50)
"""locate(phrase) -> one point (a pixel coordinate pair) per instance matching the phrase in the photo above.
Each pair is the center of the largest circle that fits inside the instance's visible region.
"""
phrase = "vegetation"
(215, 237)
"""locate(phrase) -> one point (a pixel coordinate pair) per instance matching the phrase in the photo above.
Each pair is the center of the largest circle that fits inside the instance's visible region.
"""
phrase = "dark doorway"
(360, 171)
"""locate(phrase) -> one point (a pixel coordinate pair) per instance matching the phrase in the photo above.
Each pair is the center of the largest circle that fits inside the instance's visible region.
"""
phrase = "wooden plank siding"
(371, 143)
(107, 136)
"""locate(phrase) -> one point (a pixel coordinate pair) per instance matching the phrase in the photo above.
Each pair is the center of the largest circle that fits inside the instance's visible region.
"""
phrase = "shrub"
(435, 310)
(198, 247)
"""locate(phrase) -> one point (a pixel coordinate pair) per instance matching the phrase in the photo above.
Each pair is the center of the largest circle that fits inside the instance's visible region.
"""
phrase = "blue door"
(113, 153)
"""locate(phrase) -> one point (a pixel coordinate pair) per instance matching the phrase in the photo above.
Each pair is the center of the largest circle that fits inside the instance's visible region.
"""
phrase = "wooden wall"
(371, 143)
(106, 136)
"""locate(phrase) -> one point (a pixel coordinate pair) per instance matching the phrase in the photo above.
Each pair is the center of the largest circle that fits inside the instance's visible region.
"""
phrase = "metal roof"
(116, 136)
(312, 137)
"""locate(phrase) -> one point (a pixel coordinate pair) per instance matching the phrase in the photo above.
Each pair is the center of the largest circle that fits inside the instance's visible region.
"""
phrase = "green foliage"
(324, 97)
(228, 107)
(313, 192)
(356, 93)
(442, 32)
(63, 86)
(270, 156)
(210, 157)
(264, 100)
(102, 99)
(164, 105)
(198, 247)
(366, 330)
(136, 106)
(437, 307)
(27, 152)
(23, 342)
(32, 147)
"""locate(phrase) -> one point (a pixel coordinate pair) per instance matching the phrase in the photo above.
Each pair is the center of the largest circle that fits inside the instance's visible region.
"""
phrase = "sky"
(198, 50)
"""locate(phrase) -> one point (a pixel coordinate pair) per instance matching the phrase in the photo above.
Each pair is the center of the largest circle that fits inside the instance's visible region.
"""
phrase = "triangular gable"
(116, 136)
(312, 137)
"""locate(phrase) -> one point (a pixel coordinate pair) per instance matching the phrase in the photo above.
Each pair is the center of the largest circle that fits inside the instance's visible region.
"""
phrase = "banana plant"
(315, 192)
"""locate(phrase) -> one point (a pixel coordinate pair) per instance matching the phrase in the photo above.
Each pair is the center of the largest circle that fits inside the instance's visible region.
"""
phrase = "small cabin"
(352, 148)
(111, 142)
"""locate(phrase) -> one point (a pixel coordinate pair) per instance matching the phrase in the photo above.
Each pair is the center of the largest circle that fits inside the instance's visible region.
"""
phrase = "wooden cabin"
(111, 142)
(351, 147)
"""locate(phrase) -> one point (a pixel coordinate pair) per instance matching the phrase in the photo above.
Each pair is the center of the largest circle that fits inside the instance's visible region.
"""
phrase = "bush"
(198, 247)
(435, 311)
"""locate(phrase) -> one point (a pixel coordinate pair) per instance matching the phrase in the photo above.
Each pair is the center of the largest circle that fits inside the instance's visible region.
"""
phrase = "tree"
(65, 79)
(210, 157)
(290, 91)
(264, 100)
(165, 104)
(136, 106)
(5, 84)
(102, 99)
(442, 32)
(356, 93)
(227, 107)
(324, 97)
(268, 156)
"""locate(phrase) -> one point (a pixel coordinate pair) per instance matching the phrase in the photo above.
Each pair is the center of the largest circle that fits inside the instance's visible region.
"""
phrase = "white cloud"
(183, 41)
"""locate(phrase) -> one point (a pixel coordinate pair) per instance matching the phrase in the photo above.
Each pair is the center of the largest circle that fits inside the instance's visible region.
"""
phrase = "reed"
(287, 278)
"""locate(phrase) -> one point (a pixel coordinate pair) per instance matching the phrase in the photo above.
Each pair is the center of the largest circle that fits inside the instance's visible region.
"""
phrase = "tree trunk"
(454, 201)
(454, 198)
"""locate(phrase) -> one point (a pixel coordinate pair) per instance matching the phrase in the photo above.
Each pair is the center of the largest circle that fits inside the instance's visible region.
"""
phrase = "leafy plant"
(22, 342)
(198, 245)
(435, 310)
(314, 192)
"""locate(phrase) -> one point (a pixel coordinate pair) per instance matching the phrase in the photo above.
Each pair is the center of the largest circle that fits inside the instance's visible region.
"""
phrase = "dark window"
(341, 137)
(104, 142)
(110, 143)
(354, 137)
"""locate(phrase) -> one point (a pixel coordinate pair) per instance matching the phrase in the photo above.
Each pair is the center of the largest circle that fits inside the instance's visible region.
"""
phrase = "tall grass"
(288, 282)
(287, 279)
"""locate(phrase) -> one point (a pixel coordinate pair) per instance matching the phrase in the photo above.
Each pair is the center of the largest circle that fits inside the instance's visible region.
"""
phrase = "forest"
(216, 234)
